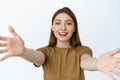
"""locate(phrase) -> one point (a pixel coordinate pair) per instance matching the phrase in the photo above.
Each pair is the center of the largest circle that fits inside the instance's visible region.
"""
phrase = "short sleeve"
(45, 50)
(85, 50)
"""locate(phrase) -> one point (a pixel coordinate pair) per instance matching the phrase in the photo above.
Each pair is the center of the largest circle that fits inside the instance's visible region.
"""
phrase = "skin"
(63, 28)
(14, 46)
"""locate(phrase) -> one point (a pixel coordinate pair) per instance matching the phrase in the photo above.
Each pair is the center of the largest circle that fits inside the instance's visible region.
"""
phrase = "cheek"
(54, 28)
(71, 30)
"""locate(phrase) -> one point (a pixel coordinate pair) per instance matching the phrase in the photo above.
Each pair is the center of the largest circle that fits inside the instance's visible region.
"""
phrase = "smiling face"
(63, 27)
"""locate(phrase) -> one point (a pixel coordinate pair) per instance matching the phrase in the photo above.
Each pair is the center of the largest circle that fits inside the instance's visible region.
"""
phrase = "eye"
(57, 23)
(69, 23)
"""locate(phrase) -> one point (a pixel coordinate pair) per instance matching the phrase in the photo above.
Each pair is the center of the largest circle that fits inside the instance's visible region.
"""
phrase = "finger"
(116, 51)
(118, 66)
(3, 38)
(12, 31)
(2, 44)
(4, 57)
(111, 76)
(118, 60)
(116, 72)
(3, 50)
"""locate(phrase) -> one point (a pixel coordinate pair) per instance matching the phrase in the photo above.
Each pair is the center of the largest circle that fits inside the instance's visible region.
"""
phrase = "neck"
(63, 44)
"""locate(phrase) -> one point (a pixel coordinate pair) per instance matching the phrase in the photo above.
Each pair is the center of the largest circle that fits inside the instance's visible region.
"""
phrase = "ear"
(52, 28)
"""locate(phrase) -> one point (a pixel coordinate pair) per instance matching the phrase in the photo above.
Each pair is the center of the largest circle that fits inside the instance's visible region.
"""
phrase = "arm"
(14, 46)
(34, 56)
(88, 62)
(107, 63)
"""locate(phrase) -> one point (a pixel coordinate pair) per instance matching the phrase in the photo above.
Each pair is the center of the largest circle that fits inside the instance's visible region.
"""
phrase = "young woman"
(65, 57)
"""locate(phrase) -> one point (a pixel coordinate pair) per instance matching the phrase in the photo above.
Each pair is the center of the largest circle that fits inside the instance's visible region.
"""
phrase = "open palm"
(14, 46)
(109, 64)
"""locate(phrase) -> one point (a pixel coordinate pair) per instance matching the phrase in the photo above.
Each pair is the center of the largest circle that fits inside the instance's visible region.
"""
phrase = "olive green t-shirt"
(63, 63)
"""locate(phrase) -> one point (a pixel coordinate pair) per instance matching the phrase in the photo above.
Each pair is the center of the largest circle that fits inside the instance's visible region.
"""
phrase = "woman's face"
(63, 27)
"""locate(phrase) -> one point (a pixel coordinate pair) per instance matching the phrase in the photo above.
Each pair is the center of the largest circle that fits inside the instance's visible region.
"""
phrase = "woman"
(65, 57)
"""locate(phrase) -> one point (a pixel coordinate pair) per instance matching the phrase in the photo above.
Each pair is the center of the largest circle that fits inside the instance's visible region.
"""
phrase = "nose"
(63, 27)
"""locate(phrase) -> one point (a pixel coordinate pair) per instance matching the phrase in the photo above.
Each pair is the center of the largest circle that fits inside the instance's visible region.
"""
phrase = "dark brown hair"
(74, 40)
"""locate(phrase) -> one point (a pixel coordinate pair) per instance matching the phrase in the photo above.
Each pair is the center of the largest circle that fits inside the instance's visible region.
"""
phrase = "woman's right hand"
(14, 46)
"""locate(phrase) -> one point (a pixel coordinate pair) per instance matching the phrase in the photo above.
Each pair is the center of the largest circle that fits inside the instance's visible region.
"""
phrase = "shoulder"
(84, 49)
(46, 50)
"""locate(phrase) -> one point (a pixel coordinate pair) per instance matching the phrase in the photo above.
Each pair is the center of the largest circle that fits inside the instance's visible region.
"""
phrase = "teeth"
(63, 33)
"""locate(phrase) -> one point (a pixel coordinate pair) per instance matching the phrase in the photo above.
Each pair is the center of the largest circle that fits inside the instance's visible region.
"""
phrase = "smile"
(63, 33)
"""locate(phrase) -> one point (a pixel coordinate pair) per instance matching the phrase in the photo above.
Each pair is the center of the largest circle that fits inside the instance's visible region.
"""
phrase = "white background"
(99, 26)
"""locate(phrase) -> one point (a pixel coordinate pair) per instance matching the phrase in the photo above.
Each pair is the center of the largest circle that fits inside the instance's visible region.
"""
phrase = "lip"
(62, 33)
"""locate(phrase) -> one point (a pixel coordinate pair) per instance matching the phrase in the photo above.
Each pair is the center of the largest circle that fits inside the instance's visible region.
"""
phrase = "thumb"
(116, 51)
(12, 31)
(111, 76)
(4, 57)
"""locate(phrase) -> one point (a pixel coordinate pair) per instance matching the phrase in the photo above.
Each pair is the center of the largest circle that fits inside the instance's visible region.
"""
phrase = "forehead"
(63, 17)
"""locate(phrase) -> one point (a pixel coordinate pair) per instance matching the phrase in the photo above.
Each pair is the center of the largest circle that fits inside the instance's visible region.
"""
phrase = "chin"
(63, 40)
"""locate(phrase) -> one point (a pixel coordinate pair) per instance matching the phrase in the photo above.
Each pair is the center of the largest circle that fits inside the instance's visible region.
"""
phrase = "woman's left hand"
(108, 64)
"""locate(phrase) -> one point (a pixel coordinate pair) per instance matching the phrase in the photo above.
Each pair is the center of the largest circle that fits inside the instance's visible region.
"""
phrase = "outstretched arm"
(107, 63)
(88, 63)
(14, 46)
(34, 56)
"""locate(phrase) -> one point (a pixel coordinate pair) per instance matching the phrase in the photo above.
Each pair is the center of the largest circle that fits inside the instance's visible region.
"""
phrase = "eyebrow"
(57, 20)
(60, 20)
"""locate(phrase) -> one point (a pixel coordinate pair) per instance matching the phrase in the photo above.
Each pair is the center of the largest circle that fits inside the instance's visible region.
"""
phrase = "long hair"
(74, 40)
